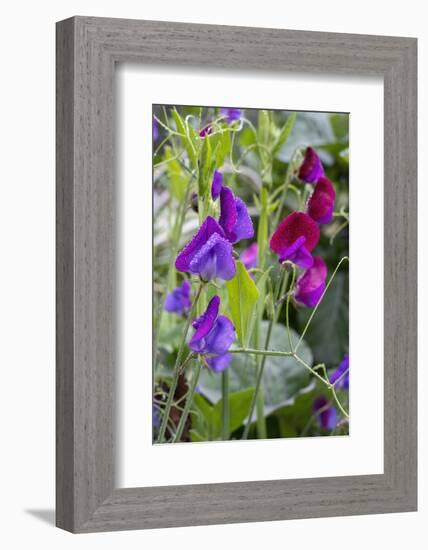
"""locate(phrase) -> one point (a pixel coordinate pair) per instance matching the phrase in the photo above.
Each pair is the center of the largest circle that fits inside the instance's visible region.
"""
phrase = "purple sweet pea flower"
(341, 369)
(321, 202)
(249, 256)
(213, 336)
(208, 254)
(230, 114)
(327, 415)
(178, 301)
(311, 168)
(216, 185)
(234, 217)
(155, 129)
(311, 284)
(206, 131)
(295, 238)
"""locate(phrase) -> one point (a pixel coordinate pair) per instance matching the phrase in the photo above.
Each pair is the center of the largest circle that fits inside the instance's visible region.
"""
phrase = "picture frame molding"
(87, 50)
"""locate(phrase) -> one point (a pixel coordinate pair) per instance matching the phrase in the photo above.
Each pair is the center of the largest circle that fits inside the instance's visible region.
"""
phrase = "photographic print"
(250, 274)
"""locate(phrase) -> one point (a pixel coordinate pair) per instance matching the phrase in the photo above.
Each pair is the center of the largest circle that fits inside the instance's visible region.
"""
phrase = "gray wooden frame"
(87, 50)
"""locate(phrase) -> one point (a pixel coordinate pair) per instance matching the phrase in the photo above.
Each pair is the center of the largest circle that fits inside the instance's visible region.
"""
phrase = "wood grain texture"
(87, 50)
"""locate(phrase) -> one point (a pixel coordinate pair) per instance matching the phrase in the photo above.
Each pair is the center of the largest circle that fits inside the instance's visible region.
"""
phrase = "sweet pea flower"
(206, 131)
(327, 415)
(311, 168)
(234, 217)
(216, 185)
(230, 114)
(295, 238)
(178, 301)
(311, 284)
(208, 254)
(321, 202)
(341, 369)
(213, 336)
(249, 256)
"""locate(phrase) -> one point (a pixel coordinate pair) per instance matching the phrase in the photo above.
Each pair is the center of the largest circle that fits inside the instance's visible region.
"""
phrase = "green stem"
(324, 381)
(338, 403)
(225, 403)
(262, 365)
(175, 241)
(177, 367)
(268, 353)
(287, 181)
(345, 258)
(287, 307)
(260, 413)
(344, 373)
(188, 404)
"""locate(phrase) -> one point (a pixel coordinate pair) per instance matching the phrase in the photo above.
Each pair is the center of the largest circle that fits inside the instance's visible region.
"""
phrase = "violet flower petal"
(229, 212)
(214, 259)
(343, 367)
(206, 131)
(178, 301)
(208, 254)
(230, 114)
(321, 203)
(294, 239)
(221, 336)
(234, 217)
(311, 285)
(249, 256)
(244, 226)
(311, 168)
(219, 363)
(327, 418)
(204, 324)
(216, 185)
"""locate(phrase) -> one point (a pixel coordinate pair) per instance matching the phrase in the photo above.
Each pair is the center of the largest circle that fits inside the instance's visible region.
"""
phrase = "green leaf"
(283, 377)
(207, 419)
(239, 405)
(263, 228)
(178, 181)
(243, 296)
(328, 331)
(201, 417)
(284, 134)
(196, 437)
(224, 147)
(208, 162)
(340, 124)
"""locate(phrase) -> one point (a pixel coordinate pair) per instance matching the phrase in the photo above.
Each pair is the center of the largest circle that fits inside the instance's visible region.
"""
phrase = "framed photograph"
(236, 223)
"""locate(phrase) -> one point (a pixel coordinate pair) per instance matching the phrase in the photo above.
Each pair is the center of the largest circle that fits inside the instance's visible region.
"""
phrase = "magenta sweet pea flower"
(321, 202)
(311, 168)
(206, 131)
(295, 238)
(339, 372)
(234, 217)
(208, 254)
(327, 415)
(249, 256)
(216, 185)
(230, 114)
(311, 284)
(178, 301)
(213, 336)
